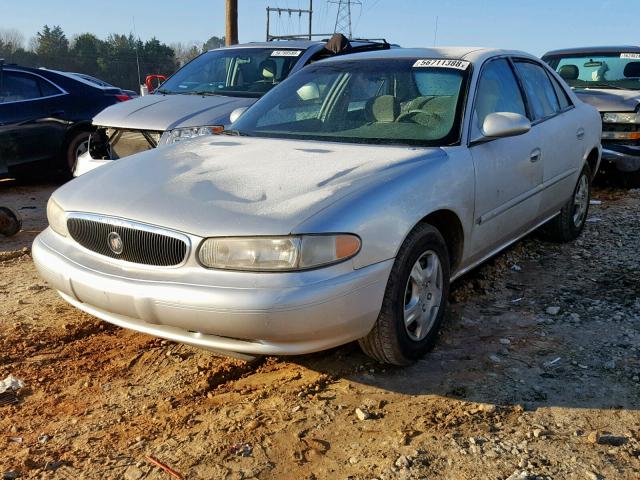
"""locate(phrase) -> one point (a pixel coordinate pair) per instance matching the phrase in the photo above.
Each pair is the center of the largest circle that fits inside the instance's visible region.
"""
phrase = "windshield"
(365, 101)
(611, 70)
(244, 72)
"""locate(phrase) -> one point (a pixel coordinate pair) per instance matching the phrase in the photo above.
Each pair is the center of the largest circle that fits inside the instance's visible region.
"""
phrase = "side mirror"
(236, 113)
(504, 124)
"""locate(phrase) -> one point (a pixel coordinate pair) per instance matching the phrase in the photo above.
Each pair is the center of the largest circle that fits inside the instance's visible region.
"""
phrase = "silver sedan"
(339, 207)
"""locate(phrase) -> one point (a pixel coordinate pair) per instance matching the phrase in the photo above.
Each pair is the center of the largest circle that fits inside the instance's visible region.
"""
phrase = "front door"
(508, 170)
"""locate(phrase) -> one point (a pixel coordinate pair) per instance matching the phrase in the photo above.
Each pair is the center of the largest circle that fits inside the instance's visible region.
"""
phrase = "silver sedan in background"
(338, 208)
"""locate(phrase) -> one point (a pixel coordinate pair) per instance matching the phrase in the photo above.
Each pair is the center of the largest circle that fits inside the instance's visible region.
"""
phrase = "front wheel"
(76, 146)
(569, 223)
(415, 300)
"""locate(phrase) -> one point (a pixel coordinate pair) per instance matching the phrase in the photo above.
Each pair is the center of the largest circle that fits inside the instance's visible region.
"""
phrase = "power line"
(343, 16)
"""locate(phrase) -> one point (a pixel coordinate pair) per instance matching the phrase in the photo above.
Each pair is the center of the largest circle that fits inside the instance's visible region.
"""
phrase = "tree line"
(114, 59)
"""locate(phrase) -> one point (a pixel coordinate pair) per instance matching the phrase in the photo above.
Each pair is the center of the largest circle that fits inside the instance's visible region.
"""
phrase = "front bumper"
(625, 158)
(245, 313)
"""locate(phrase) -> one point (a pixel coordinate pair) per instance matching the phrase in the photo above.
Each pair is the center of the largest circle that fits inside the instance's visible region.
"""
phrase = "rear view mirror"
(236, 113)
(309, 91)
(504, 124)
(592, 64)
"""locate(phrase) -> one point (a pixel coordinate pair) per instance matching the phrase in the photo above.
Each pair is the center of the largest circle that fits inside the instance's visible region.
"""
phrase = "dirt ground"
(536, 375)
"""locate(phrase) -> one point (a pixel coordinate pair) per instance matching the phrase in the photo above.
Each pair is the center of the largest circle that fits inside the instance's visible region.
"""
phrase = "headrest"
(632, 70)
(267, 69)
(569, 72)
(383, 109)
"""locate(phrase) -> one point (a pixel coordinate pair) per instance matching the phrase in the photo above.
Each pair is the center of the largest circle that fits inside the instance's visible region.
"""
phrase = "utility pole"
(290, 11)
(343, 17)
(231, 37)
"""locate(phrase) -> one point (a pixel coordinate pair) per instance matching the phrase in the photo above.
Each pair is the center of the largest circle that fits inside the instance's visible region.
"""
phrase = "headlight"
(621, 118)
(180, 134)
(277, 253)
(57, 218)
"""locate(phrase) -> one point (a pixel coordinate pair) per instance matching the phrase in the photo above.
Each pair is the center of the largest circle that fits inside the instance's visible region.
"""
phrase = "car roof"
(472, 54)
(601, 49)
(298, 44)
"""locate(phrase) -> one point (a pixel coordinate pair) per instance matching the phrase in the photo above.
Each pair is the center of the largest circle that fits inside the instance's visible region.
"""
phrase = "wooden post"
(231, 37)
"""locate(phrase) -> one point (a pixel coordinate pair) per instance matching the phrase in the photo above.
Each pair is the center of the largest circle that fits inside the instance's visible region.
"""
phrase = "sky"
(535, 26)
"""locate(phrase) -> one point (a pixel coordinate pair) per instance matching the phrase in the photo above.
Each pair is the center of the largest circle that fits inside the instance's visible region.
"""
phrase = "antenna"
(435, 32)
(343, 16)
(133, 20)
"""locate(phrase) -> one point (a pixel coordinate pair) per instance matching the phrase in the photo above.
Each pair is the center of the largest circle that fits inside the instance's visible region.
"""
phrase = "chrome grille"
(140, 243)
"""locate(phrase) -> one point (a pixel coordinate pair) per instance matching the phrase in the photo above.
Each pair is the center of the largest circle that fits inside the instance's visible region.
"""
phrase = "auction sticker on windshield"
(634, 56)
(286, 53)
(441, 63)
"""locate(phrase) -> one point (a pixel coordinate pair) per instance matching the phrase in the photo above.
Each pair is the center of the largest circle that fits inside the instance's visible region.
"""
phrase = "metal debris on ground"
(241, 449)
(164, 467)
(8, 388)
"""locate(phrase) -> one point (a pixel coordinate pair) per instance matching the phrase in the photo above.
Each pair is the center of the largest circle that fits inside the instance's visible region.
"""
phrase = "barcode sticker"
(634, 56)
(286, 53)
(441, 63)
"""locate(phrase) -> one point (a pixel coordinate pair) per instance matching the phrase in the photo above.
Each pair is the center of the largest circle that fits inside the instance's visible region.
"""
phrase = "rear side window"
(48, 89)
(539, 90)
(498, 91)
(18, 86)
(563, 98)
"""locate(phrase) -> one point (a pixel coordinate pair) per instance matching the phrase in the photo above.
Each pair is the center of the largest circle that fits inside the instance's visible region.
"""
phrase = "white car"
(337, 208)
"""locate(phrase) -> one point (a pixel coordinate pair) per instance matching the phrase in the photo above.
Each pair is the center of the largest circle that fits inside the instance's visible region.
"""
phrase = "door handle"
(580, 133)
(535, 155)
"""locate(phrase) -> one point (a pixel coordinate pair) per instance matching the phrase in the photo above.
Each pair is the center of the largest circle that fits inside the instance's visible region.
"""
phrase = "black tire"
(70, 151)
(10, 222)
(390, 341)
(564, 227)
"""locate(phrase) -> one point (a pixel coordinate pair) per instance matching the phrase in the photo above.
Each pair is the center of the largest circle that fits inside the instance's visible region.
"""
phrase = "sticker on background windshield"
(286, 53)
(634, 56)
(441, 63)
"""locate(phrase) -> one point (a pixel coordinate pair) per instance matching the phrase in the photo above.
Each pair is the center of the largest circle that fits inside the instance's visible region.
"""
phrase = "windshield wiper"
(201, 92)
(602, 85)
(164, 92)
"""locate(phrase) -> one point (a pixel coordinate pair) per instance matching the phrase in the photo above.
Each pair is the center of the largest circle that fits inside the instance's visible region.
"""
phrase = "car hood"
(236, 185)
(163, 112)
(610, 100)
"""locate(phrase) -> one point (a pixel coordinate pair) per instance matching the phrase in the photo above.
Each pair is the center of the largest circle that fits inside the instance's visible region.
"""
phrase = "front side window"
(539, 90)
(372, 101)
(15, 87)
(498, 91)
(614, 70)
(244, 72)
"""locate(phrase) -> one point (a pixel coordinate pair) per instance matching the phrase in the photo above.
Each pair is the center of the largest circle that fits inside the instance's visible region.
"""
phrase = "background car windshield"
(362, 101)
(615, 70)
(246, 72)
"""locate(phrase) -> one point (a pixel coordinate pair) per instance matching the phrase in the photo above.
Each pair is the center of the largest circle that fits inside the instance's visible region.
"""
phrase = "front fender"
(384, 213)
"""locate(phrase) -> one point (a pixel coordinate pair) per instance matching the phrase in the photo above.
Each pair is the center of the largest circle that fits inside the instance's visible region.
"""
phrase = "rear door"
(508, 173)
(30, 128)
(561, 125)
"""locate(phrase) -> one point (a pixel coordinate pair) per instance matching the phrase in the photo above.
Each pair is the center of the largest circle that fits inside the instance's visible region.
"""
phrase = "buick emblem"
(114, 240)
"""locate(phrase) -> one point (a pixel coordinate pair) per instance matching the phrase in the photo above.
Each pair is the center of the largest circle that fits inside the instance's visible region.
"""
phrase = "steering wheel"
(404, 115)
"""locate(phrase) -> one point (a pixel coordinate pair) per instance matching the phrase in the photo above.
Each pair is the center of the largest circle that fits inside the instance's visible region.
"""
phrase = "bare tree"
(11, 39)
(185, 51)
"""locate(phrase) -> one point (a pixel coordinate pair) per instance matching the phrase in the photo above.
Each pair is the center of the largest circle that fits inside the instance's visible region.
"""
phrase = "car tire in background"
(76, 144)
(415, 300)
(570, 222)
(10, 222)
